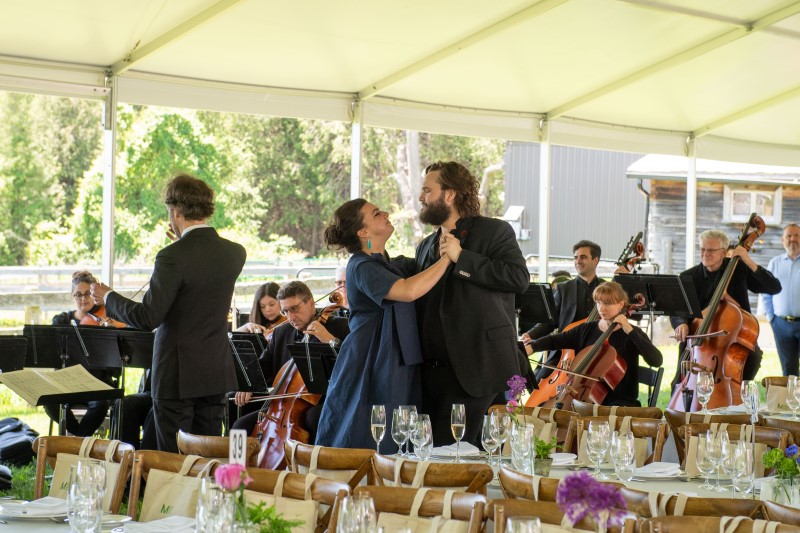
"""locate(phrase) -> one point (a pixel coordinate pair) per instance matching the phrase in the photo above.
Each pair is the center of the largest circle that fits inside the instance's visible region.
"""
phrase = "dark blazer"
(477, 304)
(566, 299)
(277, 353)
(188, 301)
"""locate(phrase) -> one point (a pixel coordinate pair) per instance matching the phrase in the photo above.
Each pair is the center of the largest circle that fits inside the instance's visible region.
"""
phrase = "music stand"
(535, 306)
(256, 339)
(315, 362)
(136, 351)
(12, 352)
(664, 294)
(248, 368)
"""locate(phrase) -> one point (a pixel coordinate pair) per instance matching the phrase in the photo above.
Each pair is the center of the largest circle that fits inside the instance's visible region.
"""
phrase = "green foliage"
(22, 480)
(785, 467)
(543, 448)
(268, 519)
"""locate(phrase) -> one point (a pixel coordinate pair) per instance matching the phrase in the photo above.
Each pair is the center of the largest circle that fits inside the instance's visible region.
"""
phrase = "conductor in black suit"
(467, 321)
(187, 301)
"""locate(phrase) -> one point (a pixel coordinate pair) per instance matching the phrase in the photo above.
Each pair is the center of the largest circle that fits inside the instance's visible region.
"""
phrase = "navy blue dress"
(379, 361)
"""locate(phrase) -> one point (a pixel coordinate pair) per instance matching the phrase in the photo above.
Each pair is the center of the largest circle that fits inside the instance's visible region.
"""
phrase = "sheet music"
(31, 384)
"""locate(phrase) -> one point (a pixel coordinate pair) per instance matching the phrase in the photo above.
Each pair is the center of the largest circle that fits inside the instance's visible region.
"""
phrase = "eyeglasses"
(295, 308)
(340, 282)
(82, 295)
(710, 250)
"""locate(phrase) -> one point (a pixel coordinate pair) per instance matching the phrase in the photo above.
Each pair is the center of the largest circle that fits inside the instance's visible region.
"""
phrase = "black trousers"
(138, 424)
(96, 412)
(440, 390)
(201, 416)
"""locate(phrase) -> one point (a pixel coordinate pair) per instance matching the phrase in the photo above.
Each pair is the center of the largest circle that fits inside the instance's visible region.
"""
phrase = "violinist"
(297, 305)
(266, 311)
(85, 308)
(628, 340)
(573, 298)
(747, 276)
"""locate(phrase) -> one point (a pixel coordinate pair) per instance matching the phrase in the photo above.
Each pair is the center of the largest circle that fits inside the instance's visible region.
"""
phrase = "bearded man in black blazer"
(188, 301)
(467, 321)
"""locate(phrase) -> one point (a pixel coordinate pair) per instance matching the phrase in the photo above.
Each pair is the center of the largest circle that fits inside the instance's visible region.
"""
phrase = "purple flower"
(516, 386)
(580, 495)
(791, 451)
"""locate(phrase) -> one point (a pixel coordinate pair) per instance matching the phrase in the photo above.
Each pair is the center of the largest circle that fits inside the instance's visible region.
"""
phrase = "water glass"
(523, 524)
(522, 447)
(742, 468)
(406, 412)
(715, 449)
(488, 441)
(84, 507)
(422, 436)
(624, 456)
(458, 425)
(399, 429)
(703, 388)
(598, 441)
(792, 395)
(746, 391)
(377, 425)
(214, 512)
(501, 429)
(704, 463)
(357, 515)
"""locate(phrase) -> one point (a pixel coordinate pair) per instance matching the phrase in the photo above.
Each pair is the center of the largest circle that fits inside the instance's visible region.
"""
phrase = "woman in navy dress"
(379, 361)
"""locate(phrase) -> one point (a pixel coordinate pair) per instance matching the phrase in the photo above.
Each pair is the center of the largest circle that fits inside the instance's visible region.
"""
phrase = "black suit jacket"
(477, 304)
(188, 301)
(277, 353)
(566, 299)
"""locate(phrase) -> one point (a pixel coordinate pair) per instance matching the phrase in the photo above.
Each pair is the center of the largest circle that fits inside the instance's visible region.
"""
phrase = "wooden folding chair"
(792, 426)
(676, 419)
(48, 448)
(560, 417)
(779, 381)
(327, 492)
(464, 506)
(781, 513)
(591, 409)
(655, 430)
(350, 465)
(498, 511)
(640, 503)
(711, 524)
(516, 485)
(146, 460)
(771, 437)
(469, 477)
(214, 447)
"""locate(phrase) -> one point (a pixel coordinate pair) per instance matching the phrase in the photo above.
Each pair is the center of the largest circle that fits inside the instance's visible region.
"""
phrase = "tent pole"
(691, 199)
(356, 147)
(544, 199)
(109, 178)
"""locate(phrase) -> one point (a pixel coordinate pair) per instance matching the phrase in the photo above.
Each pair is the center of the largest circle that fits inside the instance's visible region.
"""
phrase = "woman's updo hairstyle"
(83, 276)
(343, 230)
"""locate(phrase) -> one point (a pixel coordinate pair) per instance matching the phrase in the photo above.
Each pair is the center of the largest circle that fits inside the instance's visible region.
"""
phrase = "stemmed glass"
(501, 428)
(742, 475)
(703, 388)
(598, 441)
(731, 461)
(357, 514)
(792, 399)
(747, 395)
(399, 430)
(704, 463)
(422, 437)
(87, 481)
(522, 447)
(488, 440)
(623, 454)
(405, 413)
(377, 425)
(458, 425)
(715, 449)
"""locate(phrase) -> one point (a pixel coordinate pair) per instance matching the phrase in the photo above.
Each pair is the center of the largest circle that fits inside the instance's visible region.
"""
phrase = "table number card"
(237, 451)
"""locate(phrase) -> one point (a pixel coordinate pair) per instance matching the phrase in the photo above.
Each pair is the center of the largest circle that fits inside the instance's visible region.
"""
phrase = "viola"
(98, 317)
(281, 416)
(548, 388)
(721, 342)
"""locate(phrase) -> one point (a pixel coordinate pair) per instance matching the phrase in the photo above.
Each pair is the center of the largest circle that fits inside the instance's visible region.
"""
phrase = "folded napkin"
(658, 469)
(172, 524)
(563, 458)
(466, 450)
(45, 507)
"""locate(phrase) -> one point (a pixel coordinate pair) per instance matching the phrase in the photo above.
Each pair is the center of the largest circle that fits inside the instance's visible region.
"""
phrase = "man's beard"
(434, 213)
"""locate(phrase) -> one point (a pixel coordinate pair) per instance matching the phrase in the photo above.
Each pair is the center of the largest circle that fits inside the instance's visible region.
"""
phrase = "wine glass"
(703, 462)
(730, 463)
(522, 447)
(458, 425)
(377, 424)
(624, 456)
(742, 476)
(747, 395)
(598, 441)
(792, 399)
(399, 430)
(715, 449)
(422, 437)
(405, 413)
(488, 440)
(501, 428)
(703, 388)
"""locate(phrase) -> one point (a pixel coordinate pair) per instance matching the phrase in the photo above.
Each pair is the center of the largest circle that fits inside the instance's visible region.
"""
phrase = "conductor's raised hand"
(99, 291)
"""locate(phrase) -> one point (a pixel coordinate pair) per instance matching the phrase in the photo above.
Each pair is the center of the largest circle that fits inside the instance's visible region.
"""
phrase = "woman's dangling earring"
(369, 244)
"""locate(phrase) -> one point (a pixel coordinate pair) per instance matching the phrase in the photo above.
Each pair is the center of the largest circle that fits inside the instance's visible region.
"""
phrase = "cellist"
(747, 276)
(297, 305)
(628, 340)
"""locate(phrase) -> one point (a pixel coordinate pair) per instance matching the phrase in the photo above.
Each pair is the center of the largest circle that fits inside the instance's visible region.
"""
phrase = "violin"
(98, 317)
(281, 416)
(597, 369)
(268, 332)
(721, 342)
(548, 388)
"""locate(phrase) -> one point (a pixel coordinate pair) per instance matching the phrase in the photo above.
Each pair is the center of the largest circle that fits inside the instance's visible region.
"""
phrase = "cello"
(721, 342)
(281, 416)
(548, 389)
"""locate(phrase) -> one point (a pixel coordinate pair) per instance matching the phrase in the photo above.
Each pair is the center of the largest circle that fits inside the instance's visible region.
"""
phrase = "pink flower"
(511, 406)
(231, 477)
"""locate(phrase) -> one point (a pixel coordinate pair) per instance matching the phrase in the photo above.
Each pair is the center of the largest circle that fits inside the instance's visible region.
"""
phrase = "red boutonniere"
(462, 234)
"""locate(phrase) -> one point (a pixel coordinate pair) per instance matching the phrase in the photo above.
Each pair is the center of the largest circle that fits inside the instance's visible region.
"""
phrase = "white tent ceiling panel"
(725, 149)
(610, 137)
(768, 125)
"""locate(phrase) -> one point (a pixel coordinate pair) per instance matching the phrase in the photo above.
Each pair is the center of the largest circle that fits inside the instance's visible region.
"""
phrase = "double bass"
(281, 416)
(549, 388)
(721, 342)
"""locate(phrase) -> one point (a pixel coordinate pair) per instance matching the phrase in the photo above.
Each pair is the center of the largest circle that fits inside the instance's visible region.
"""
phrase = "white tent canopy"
(718, 78)
(634, 75)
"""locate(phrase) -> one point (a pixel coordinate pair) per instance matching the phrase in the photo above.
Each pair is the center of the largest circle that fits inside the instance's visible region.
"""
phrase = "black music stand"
(664, 294)
(245, 358)
(535, 306)
(12, 352)
(256, 339)
(315, 362)
(136, 351)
